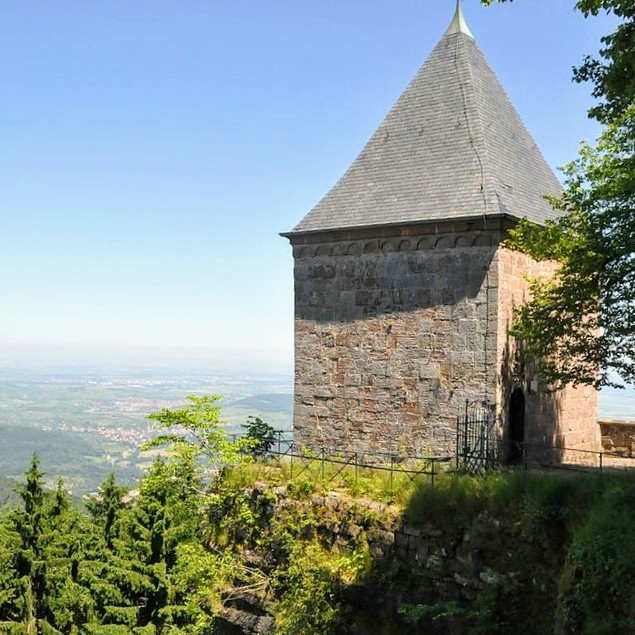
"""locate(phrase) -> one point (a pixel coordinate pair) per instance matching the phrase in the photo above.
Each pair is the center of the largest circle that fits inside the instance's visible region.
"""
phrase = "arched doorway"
(516, 426)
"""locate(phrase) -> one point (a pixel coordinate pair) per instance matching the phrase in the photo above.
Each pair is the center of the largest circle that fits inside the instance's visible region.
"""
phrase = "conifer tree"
(106, 507)
(40, 589)
(30, 567)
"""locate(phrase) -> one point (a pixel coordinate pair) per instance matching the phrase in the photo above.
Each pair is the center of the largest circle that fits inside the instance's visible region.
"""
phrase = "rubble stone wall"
(618, 437)
(392, 335)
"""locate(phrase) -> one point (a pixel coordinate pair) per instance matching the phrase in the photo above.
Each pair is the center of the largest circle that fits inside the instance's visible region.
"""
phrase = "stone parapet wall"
(618, 437)
(447, 557)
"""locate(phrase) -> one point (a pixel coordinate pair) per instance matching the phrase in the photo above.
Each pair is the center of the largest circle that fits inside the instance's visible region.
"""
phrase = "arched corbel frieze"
(370, 247)
(354, 249)
(443, 242)
(302, 252)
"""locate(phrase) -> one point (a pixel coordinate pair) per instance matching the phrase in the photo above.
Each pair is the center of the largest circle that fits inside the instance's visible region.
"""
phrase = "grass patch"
(310, 475)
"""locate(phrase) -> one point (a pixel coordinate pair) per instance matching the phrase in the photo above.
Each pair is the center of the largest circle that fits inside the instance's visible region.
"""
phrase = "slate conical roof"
(452, 147)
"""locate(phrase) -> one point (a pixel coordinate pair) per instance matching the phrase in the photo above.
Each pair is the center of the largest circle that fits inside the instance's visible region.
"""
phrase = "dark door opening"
(516, 426)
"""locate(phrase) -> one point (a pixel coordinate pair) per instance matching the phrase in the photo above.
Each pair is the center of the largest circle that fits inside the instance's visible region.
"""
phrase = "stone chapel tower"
(403, 289)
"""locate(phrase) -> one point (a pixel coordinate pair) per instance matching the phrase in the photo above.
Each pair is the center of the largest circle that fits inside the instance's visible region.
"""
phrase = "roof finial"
(458, 24)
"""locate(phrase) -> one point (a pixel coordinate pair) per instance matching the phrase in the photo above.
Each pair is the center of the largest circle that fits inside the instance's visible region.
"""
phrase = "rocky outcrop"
(442, 563)
(245, 614)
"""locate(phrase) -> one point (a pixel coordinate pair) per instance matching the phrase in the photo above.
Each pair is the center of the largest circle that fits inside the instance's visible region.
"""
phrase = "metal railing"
(301, 458)
(536, 455)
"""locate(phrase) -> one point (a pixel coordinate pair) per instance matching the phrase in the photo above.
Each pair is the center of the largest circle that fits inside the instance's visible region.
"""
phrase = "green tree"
(261, 435)
(106, 507)
(39, 587)
(68, 534)
(30, 566)
(129, 568)
(160, 522)
(612, 71)
(579, 325)
(196, 439)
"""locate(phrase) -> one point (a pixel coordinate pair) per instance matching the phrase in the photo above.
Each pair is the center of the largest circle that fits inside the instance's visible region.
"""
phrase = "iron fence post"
(458, 440)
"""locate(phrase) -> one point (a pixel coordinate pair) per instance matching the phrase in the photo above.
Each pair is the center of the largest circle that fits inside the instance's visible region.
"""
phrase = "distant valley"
(83, 422)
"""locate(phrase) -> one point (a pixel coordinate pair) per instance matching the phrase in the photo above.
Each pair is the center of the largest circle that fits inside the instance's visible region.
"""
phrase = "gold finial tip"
(458, 24)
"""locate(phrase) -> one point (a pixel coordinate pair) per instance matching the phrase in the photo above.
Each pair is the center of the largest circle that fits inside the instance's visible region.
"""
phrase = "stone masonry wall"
(618, 437)
(566, 418)
(392, 334)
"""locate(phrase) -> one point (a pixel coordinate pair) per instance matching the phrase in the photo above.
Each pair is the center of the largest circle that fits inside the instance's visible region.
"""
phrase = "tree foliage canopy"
(195, 438)
(580, 324)
(583, 319)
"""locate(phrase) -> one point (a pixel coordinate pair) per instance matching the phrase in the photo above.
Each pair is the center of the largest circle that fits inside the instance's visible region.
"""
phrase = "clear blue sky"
(151, 151)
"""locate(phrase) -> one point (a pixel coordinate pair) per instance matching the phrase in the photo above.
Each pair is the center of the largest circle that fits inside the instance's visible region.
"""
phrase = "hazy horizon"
(42, 355)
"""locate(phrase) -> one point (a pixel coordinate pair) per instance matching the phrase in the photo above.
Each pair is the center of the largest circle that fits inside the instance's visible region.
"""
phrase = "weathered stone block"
(428, 370)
